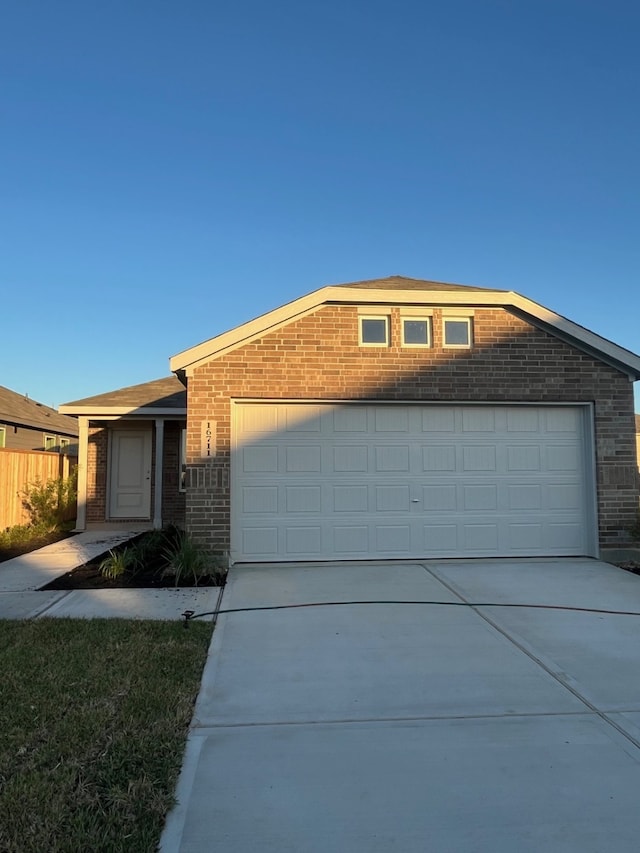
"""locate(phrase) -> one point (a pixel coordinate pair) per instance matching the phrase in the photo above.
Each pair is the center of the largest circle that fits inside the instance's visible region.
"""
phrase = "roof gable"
(21, 410)
(398, 290)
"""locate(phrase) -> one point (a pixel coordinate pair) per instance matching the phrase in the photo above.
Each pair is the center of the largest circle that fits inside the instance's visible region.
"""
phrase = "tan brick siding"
(318, 357)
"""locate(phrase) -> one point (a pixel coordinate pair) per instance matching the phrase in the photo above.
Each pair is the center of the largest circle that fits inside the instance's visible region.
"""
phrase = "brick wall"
(97, 474)
(173, 500)
(318, 357)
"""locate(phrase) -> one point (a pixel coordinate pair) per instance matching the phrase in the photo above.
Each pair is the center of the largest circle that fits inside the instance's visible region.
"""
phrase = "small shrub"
(634, 530)
(19, 534)
(188, 562)
(119, 563)
(49, 503)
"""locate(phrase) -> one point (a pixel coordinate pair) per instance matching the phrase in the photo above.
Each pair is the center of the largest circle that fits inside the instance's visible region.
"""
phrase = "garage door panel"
(391, 419)
(350, 458)
(524, 496)
(480, 497)
(562, 457)
(478, 420)
(303, 499)
(525, 537)
(439, 498)
(259, 458)
(393, 538)
(440, 419)
(480, 538)
(440, 539)
(260, 499)
(561, 420)
(350, 498)
(462, 481)
(438, 458)
(523, 419)
(392, 458)
(524, 458)
(258, 541)
(352, 540)
(303, 541)
(393, 498)
(478, 458)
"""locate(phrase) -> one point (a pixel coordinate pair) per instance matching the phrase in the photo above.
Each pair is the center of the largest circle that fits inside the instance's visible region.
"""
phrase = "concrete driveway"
(437, 727)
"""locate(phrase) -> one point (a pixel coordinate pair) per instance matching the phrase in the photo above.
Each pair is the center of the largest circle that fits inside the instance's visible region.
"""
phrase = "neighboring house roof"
(407, 291)
(160, 396)
(638, 424)
(23, 411)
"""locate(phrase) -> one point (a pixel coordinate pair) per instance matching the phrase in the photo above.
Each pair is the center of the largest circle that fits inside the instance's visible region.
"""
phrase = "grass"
(94, 716)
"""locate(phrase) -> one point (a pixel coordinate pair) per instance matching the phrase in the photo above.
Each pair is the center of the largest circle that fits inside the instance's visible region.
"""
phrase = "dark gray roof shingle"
(400, 282)
(17, 409)
(165, 393)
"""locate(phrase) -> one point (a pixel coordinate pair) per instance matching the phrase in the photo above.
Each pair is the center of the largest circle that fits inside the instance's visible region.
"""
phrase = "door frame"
(111, 458)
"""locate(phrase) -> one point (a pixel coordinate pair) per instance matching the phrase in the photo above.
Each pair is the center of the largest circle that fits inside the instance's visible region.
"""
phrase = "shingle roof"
(165, 393)
(401, 282)
(17, 409)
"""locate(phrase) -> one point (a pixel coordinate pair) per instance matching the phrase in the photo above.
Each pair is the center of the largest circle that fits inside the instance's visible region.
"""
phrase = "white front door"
(130, 474)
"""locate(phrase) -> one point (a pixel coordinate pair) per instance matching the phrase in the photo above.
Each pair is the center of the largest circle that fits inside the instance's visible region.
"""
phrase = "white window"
(64, 443)
(456, 331)
(50, 442)
(182, 462)
(374, 331)
(3, 436)
(416, 332)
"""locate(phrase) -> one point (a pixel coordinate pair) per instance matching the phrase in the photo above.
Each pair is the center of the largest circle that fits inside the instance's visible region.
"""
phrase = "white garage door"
(362, 481)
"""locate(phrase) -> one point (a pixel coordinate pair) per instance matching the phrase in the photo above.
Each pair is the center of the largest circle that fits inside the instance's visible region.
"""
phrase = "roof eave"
(121, 411)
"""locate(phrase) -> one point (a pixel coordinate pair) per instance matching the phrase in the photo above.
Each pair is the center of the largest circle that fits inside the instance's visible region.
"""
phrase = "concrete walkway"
(454, 727)
(21, 580)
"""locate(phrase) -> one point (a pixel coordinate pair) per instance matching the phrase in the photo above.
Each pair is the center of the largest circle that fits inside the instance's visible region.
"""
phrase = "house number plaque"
(208, 439)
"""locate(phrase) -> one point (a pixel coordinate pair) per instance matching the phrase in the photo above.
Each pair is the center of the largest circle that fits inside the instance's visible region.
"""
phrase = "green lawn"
(93, 722)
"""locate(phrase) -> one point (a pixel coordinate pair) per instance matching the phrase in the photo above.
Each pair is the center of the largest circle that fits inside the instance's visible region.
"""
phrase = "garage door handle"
(415, 501)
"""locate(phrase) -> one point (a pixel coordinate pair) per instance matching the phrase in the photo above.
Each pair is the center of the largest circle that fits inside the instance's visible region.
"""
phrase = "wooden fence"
(18, 468)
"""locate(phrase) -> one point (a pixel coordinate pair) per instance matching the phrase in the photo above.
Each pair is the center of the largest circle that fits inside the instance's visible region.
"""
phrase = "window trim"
(3, 436)
(446, 318)
(417, 319)
(54, 439)
(387, 330)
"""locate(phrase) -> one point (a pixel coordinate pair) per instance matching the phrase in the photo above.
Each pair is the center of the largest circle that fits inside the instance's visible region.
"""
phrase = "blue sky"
(169, 170)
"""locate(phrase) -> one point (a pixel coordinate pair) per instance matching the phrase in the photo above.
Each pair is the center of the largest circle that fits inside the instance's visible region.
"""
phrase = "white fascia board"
(215, 347)
(120, 411)
(567, 329)
(253, 329)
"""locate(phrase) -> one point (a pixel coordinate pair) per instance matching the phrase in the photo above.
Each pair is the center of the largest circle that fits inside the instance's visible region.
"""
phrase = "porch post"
(158, 469)
(83, 456)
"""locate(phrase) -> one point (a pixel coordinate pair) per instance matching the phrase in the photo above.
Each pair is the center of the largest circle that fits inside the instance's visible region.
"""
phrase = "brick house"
(393, 418)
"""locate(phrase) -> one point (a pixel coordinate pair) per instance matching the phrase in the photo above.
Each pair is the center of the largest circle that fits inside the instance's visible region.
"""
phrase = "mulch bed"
(89, 577)
(150, 576)
(631, 566)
